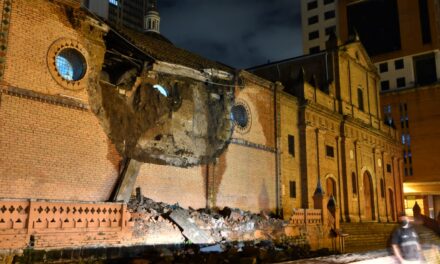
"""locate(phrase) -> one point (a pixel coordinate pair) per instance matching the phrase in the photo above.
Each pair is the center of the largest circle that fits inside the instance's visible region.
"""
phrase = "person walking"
(405, 242)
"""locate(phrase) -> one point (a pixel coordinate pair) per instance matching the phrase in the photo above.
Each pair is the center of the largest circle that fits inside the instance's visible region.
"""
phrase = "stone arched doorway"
(368, 197)
(392, 209)
(331, 194)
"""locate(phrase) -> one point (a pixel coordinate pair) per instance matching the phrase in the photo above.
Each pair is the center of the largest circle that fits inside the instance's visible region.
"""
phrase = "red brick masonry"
(55, 224)
(49, 224)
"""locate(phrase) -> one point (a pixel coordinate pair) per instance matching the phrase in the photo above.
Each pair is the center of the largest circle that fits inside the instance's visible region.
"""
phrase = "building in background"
(318, 18)
(402, 39)
(141, 15)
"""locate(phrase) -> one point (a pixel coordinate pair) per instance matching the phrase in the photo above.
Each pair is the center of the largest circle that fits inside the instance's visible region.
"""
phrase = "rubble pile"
(229, 235)
(208, 225)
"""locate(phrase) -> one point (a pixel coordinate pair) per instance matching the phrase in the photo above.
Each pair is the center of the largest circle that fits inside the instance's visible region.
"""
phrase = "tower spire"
(152, 18)
(152, 5)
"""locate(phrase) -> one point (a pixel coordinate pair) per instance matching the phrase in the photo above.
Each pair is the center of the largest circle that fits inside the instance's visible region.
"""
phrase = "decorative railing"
(298, 217)
(13, 214)
(56, 215)
(38, 215)
(313, 216)
(28, 218)
(306, 217)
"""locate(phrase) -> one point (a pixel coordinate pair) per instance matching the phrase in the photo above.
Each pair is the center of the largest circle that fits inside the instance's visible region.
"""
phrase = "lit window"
(70, 64)
(113, 2)
(403, 139)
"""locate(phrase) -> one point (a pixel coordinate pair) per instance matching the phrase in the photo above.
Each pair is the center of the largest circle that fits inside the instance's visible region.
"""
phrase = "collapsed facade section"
(160, 108)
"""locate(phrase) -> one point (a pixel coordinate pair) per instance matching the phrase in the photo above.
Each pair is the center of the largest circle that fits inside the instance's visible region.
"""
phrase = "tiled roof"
(160, 48)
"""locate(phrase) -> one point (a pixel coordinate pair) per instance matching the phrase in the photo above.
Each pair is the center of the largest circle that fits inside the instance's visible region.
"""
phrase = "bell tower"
(152, 18)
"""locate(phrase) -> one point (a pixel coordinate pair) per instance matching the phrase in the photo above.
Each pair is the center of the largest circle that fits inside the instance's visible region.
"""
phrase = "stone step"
(372, 236)
(427, 235)
(367, 236)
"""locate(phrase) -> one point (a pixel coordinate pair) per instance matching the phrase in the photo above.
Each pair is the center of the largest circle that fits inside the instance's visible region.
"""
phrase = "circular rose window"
(70, 64)
(67, 63)
(241, 116)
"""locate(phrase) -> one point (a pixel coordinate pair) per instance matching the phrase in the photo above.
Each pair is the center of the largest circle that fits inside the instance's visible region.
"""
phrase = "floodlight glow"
(161, 89)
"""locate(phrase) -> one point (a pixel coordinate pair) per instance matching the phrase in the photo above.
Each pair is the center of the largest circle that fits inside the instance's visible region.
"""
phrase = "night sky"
(239, 33)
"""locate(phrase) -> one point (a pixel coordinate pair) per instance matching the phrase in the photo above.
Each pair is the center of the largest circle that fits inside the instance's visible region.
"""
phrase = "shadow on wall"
(113, 155)
(263, 198)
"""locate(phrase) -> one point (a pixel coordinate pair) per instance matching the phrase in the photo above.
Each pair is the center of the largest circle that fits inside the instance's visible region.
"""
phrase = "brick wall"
(35, 26)
(290, 164)
(246, 179)
(259, 98)
(173, 184)
(53, 152)
(234, 182)
(48, 149)
(243, 176)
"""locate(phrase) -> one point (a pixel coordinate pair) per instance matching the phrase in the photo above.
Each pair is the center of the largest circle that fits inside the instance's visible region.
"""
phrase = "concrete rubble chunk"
(203, 226)
(190, 229)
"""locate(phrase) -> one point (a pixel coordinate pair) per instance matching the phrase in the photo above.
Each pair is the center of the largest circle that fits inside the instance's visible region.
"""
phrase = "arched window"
(331, 187)
(360, 99)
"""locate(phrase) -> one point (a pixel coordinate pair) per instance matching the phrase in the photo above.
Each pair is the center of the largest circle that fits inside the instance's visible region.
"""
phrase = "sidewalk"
(431, 253)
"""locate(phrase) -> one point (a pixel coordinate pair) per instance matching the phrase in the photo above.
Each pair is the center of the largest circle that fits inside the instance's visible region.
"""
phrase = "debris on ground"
(212, 235)
(204, 226)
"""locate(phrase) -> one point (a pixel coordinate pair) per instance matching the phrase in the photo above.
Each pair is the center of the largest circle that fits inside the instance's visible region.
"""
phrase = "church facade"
(330, 109)
(133, 110)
